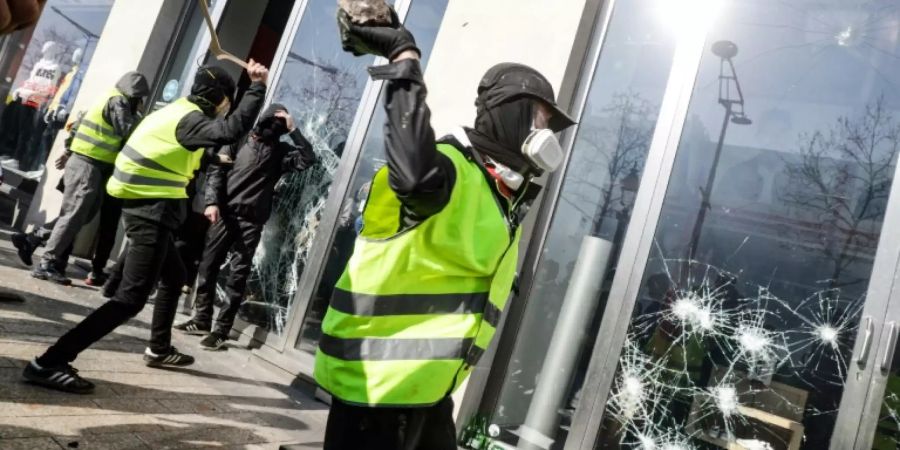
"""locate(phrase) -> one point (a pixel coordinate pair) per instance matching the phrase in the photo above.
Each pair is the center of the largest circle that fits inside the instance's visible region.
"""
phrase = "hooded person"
(239, 202)
(151, 175)
(435, 261)
(97, 141)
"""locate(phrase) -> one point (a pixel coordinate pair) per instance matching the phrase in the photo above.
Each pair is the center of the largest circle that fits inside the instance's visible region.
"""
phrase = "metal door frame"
(867, 393)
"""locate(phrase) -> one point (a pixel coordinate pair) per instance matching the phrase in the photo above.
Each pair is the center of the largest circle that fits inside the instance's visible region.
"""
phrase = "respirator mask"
(543, 150)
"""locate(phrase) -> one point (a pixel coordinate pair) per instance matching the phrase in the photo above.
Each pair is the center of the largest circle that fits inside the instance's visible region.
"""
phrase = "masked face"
(541, 147)
(271, 128)
(223, 108)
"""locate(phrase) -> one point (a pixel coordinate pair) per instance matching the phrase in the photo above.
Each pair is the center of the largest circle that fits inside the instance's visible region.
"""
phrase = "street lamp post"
(733, 102)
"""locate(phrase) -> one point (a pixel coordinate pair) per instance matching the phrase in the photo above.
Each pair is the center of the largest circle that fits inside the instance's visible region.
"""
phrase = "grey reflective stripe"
(147, 181)
(474, 355)
(148, 163)
(98, 128)
(400, 305)
(492, 314)
(374, 349)
(96, 143)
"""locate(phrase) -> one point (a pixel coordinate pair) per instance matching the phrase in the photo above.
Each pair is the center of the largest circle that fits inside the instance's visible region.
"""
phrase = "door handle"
(889, 351)
(867, 342)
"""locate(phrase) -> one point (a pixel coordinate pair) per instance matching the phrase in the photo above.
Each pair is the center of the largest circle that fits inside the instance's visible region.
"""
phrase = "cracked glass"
(744, 328)
(322, 86)
(423, 20)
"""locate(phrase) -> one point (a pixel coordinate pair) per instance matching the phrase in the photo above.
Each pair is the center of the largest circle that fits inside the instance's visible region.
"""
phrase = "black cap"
(213, 83)
(507, 81)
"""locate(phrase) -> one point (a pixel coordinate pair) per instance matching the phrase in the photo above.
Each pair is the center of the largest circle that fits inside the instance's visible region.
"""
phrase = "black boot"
(25, 245)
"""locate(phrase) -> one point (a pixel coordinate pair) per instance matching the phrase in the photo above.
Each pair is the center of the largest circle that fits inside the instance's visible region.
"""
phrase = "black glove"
(387, 41)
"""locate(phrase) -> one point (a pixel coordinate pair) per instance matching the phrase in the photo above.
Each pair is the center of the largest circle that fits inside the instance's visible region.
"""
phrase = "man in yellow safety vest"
(435, 261)
(151, 174)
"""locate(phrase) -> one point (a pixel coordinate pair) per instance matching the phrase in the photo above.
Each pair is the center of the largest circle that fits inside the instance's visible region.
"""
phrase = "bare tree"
(614, 148)
(842, 180)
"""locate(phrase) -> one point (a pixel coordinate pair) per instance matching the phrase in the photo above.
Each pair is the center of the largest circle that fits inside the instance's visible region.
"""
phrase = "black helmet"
(507, 81)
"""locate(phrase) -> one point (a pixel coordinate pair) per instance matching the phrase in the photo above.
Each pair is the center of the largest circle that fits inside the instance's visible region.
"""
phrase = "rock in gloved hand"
(367, 12)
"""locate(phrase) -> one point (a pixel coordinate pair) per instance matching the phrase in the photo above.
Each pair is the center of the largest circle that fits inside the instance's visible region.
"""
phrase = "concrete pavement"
(225, 400)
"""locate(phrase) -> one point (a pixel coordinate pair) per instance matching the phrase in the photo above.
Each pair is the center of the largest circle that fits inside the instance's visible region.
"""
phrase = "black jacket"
(246, 189)
(196, 130)
(121, 112)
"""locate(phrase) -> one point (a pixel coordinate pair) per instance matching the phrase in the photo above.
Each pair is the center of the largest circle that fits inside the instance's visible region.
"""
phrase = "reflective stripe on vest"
(416, 307)
(152, 164)
(95, 138)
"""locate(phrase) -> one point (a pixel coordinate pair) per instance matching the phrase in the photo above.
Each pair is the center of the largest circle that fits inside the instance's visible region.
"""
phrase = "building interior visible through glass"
(744, 329)
(42, 69)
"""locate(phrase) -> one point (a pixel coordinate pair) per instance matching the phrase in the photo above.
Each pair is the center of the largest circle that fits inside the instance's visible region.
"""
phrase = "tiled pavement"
(225, 400)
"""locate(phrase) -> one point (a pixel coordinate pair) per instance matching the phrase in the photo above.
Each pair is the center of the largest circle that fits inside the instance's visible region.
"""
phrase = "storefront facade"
(712, 268)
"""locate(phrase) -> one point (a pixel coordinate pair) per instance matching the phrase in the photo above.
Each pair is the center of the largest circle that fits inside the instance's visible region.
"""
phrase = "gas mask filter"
(543, 150)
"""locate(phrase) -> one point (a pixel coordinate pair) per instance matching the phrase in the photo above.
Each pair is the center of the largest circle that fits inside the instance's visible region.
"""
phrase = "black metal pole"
(706, 194)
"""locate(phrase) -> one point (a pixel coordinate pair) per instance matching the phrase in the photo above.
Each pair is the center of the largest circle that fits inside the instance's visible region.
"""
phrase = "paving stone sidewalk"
(226, 400)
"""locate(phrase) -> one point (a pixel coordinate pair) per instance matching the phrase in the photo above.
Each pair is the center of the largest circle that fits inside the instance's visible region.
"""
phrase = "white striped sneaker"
(173, 358)
(63, 378)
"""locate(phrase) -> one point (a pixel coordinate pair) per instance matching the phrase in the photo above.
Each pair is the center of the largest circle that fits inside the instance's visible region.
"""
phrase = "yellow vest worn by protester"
(415, 308)
(152, 164)
(95, 137)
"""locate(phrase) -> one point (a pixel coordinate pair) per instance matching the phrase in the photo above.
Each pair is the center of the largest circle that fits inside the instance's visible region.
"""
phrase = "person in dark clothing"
(238, 208)
(424, 290)
(189, 240)
(151, 175)
(98, 139)
(104, 241)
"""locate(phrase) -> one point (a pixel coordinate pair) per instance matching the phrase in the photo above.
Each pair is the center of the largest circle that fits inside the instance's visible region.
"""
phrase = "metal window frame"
(637, 244)
(286, 355)
(484, 387)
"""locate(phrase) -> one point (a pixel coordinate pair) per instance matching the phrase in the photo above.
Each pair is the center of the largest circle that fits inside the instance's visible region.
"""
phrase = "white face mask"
(543, 150)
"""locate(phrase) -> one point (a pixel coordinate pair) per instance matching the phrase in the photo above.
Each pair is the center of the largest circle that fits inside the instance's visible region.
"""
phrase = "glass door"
(752, 320)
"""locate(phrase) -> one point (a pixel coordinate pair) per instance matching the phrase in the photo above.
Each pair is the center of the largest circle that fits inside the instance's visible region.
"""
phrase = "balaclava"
(212, 85)
(270, 128)
(505, 114)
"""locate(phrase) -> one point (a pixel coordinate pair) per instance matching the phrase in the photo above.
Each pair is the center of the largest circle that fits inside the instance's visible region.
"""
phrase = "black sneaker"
(172, 358)
(192, 328)
(42, 272)
(96, 279)
(24, 247)
(215, 341)
(63, 378)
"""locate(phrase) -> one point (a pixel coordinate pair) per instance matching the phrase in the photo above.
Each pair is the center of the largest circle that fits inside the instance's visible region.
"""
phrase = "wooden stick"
(214, 46)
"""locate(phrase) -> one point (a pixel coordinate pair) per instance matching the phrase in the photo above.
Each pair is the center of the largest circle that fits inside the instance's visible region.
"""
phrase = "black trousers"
(151, 258)
(110, 213)
(363, 428)
(230, 233)
(189, 240)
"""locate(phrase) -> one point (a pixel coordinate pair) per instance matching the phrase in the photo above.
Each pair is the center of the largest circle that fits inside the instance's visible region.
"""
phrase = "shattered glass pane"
(745, 325)
(423, 20)
(321, 85)
(541, 390)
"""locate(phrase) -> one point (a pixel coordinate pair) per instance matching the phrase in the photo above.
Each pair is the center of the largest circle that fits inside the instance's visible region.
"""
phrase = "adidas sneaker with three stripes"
(173, 358)
(63, 378)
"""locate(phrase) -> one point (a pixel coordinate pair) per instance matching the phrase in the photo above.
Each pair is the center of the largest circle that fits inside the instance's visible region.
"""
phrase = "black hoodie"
(122, 112)
(246, 189)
